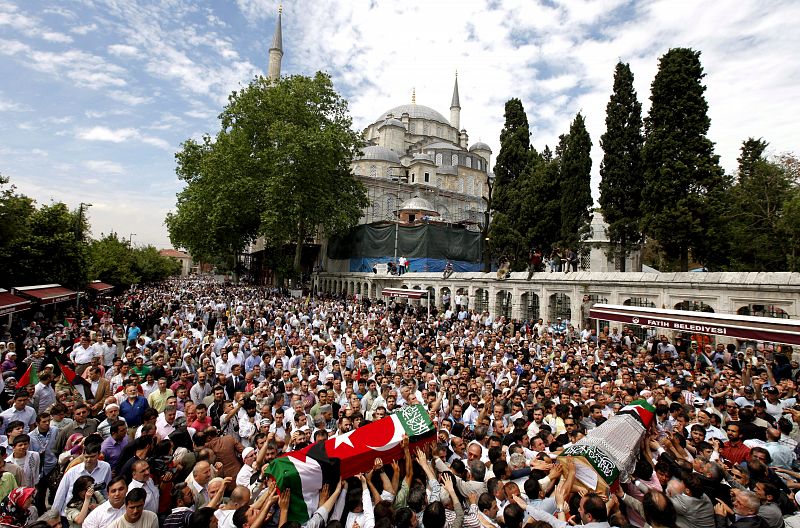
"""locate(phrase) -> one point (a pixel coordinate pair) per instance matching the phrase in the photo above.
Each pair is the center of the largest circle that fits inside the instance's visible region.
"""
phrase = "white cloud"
(120, 135)
(29, 26)
(123, 50)
(84, 29)
(104, 167)
(11, 106)
(128, 98)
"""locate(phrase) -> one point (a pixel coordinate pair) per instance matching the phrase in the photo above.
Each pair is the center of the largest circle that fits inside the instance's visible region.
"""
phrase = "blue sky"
(97, 95)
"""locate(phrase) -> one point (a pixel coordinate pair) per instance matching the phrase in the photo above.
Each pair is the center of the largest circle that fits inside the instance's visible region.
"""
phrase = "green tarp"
(423, 241)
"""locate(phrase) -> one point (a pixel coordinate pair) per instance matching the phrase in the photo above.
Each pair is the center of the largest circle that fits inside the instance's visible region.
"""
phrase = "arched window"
(373, 171)
(439, 181)
(439, 131)
(425, 128)
(439, 159)
(389, 173)
(470, 184)
(461, 185)
(389, 207)
(469, 162)
(454, 160)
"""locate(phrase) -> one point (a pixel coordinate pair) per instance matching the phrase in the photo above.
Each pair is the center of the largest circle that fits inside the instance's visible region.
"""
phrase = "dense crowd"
(184, 392)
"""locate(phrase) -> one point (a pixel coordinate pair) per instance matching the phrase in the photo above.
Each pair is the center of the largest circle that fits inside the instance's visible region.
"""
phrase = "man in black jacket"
(744, 513)
(236, 382)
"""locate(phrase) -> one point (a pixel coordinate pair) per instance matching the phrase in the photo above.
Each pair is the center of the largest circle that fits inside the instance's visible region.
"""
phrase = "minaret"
(455, 107)
(276, 51)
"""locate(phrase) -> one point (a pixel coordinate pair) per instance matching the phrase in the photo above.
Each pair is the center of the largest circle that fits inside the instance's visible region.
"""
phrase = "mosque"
(419, 170)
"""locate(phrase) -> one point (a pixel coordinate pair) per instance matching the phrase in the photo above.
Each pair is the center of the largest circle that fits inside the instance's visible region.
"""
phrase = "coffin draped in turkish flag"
(343, 456)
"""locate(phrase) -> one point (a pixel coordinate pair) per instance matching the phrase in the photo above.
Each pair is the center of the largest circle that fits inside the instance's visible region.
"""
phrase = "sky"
(96, 96)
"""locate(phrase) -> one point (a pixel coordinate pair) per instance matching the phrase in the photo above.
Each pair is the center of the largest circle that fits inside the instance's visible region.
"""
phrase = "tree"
(683, 182)
(506, 239)
(111, 261)
(621, 169)
(575, 185)
(756, 212)
(541, 207)
(279, 168)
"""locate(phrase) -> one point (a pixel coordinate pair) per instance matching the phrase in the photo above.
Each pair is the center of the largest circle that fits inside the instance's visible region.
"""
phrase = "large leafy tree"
(684, 185)
(621, 169)
(278, 168)
(756, 218)
(541, 207)
(575, 185)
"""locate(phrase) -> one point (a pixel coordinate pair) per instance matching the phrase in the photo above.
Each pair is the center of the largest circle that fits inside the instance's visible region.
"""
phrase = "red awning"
(784, 331)
(10, 303)
(99, 287)
(404, 292)
(47, 294)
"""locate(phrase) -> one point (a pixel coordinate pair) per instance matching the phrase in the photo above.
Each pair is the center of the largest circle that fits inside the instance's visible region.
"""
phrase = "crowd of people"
(184, 392)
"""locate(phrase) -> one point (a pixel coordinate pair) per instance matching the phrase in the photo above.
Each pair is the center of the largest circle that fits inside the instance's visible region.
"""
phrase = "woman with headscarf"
(15, 509)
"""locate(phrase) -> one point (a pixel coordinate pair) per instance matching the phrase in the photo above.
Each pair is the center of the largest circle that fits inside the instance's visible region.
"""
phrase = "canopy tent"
(46, 293)
(745, 327)
(408, 294)
(99, 287)
(11, 304)
(404, 292)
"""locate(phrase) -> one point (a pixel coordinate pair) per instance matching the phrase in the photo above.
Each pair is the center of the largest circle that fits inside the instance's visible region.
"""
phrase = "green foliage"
(150, 266)
(621, 169)
(760, 222)
(541, 208)
(575, 185)
(279, 167)
(684, 183)
(513, 158)
(44, 245)
(111, 261)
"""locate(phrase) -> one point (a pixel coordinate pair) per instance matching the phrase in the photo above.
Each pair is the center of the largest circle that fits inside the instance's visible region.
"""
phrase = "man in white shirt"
(82, 355)
(136, 516)
(99, 470)
(110, 510)
(140, 472)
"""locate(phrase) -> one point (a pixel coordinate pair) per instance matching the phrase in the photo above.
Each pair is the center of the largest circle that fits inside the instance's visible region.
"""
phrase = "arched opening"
(503, 303)
(432, 296)
(559, 306)
(694, 306)
(481, 300)
(530, 306)
(639, 331)
(763, 310)
(590, 300)
(445, 298)
(462, 299)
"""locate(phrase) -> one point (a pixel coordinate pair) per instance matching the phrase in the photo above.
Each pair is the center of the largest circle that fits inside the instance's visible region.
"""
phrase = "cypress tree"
(575, 185)
(505, 238)
(621, 169)
(684, 184)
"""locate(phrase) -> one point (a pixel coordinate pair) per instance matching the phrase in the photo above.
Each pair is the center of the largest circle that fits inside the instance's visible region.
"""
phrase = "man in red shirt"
(734, 449)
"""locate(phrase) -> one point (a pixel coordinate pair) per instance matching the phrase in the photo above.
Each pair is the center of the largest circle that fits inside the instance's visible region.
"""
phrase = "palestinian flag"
(641, 410)
(71, 375)
(31, 377)
(305, 471)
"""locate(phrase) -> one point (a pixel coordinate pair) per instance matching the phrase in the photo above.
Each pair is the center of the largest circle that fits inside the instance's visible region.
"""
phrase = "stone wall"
(570, 295)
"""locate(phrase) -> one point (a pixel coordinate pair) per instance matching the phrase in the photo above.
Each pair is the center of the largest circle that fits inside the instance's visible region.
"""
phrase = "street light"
(130, 239)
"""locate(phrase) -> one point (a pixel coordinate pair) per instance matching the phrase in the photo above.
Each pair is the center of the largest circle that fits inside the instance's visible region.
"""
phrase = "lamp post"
(487, 259)
(130, 239)
(397, 221)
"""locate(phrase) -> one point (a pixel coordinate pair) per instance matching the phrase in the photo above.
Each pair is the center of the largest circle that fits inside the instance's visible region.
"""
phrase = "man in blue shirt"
(132, 408)
(43, 438)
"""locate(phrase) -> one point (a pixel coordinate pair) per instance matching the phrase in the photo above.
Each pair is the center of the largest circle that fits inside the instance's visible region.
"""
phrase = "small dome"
(415, 111)
(480, 146)
(376, 152)
(418, 204)
(392, 122)
(419, 156)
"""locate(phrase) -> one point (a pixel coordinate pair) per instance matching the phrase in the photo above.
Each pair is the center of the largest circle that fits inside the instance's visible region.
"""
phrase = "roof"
(480, 145)
(415, 111)
(174, 253)
(746, 327)
(417, 204)
(46, 293)
(99, 287)
(377, 152)
(393, 122)
(441, 145)
(10, 303)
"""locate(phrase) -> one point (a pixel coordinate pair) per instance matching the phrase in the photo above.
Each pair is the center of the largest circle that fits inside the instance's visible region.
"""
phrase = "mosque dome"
(415, 111)
(376, 152)
(480, 146)
(418, 204)
(392, 122)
